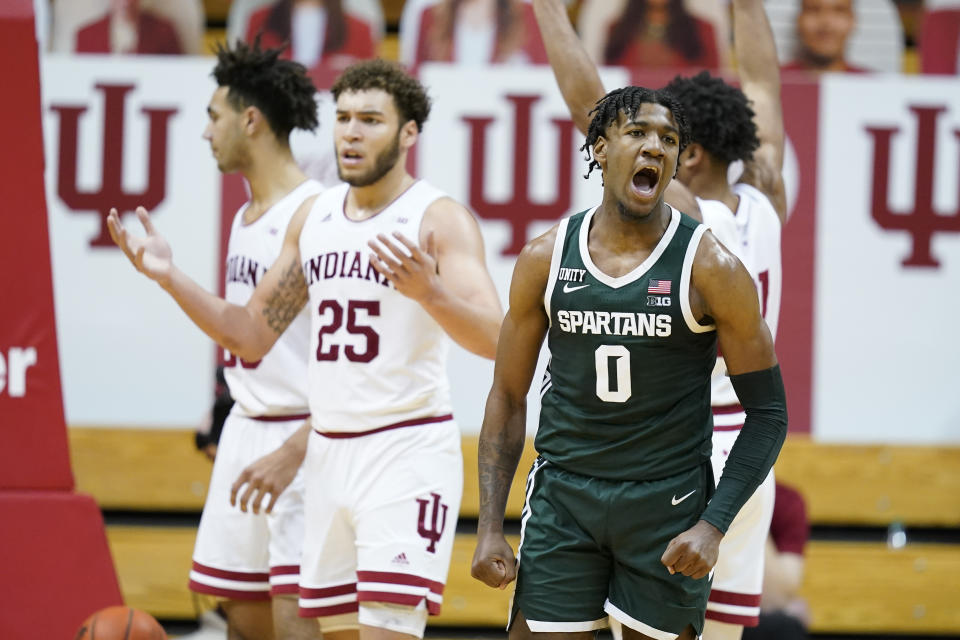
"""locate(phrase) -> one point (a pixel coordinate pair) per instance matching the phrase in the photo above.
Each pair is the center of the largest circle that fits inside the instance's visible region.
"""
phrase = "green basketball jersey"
(627, 393)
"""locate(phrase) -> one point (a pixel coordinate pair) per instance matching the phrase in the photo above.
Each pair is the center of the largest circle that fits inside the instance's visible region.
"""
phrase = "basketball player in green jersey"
(621, 523)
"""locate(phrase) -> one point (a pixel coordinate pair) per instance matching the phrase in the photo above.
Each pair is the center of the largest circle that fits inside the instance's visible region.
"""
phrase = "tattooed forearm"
(498, 454)
(287, 299)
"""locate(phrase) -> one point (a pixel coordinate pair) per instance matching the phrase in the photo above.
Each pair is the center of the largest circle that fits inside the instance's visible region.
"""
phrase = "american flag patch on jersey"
(659, 286)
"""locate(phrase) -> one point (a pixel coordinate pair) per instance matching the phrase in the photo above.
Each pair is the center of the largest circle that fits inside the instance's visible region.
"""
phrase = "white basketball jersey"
(377, 359)
(753, 235)
(277, 384)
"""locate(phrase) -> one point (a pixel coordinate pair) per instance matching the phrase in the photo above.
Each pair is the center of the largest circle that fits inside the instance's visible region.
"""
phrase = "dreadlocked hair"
(721, 119)
(280, 89)
(408, 94)
(627, 101)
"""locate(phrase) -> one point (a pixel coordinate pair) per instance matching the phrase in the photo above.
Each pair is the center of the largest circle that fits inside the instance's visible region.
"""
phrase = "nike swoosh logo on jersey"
(675, 500)
(568, 289)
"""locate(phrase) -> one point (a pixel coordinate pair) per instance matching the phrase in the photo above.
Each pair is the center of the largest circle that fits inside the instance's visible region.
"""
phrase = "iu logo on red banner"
(520, 210)
(111, 193)
(923, 222)
(428, 527)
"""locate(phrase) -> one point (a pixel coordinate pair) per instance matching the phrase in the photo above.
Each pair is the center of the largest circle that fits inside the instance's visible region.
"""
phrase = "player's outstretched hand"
(271, 474)
(412, 272)
(694, 552)
(494, 563)
(151, 255)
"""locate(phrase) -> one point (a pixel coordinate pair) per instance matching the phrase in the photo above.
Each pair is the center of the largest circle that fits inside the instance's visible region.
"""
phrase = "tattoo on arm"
(287, 299)
(498, 458)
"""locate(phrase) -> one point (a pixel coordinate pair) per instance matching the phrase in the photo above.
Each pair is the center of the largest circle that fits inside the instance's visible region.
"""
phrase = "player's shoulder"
(763, 184)
(760, 208)
(685, 220)
(718, 218)
(443, 213)
(753, 195)
(289, 204)
(324, 198)
(331, 194)
(531, 272)
(541, 249)
(310, 187)
(444, 205)
(713, 259)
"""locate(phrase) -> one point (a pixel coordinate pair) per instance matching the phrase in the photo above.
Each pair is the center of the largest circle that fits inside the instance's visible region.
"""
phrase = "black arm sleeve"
(762, 396)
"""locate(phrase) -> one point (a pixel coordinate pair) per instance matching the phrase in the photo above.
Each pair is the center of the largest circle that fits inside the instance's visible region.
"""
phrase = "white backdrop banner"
(888, 261)
(122, 132)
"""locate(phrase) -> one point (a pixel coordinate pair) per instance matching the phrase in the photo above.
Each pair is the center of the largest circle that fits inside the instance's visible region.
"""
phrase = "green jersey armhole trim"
(555, 267)
(684, 292)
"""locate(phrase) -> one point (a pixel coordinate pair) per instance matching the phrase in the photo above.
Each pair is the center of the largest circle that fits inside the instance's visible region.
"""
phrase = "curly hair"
(409, 96)
(627, 101)
(280, 89)
(721, 119)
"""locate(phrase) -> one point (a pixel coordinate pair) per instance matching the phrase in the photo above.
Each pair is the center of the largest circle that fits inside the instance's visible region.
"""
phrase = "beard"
(233, 155)
(385, 161)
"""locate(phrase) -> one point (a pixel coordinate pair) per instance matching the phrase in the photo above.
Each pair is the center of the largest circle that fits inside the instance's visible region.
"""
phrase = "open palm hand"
(150, 254)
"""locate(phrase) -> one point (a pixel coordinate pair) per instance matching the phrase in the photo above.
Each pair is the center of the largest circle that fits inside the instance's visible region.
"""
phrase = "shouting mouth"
(645, 181)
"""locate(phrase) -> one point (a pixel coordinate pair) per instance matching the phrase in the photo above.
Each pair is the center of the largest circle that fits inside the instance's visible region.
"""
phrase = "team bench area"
(854, 583)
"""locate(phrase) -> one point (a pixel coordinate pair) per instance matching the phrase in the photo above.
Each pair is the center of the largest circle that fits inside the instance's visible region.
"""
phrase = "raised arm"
(447, 275)
(580, 83)
(575, 72)
(759, 71)
(504, 422)
(722, 289)
(246, 331)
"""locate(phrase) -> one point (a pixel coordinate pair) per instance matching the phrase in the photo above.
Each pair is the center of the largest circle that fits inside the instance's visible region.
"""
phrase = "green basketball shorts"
(591, 548)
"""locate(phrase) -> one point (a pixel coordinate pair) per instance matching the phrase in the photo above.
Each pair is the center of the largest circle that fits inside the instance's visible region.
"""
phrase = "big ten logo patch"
(520, 209)
(923, 221)
(111, 192)
(432, 520)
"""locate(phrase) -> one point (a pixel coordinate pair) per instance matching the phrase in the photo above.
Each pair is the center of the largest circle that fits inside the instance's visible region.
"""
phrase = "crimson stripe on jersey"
(327, 592)
(293, 416)
(739, 599)
(335, 610)
(396, 425)
(726, 409)
(729, 427)
(285, 570)
(232, 594)
(239, 576)
(284, 589)
(408, 599)
(732, 618)
(407, 579)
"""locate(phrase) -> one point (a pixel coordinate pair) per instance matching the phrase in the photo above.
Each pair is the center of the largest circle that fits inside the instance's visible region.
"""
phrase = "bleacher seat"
(849, 585)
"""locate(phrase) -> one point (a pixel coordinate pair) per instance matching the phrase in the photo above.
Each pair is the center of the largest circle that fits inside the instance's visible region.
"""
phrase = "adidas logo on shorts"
(400, 558)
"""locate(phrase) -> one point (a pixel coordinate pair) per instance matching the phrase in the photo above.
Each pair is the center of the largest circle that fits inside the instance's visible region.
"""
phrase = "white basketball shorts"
(247, 556)
(381, 519)
(738, 575)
